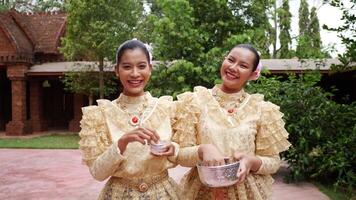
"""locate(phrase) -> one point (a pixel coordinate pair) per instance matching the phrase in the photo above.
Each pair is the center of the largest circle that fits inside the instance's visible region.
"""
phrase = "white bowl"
(219, 176)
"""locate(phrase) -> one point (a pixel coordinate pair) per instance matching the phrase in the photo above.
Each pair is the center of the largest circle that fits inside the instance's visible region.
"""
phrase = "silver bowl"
(219, 176)
(160, 147)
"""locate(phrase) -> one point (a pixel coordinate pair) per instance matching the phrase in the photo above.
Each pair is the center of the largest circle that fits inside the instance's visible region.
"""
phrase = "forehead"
(242, 54)
(133, 54)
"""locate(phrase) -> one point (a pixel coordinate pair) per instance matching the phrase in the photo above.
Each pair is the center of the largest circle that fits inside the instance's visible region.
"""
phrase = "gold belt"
(142, 184)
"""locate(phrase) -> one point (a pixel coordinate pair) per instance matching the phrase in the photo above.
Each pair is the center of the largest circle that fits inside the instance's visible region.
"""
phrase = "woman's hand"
(210, 155)
(139, 134)
(169, 150)
(247, 164)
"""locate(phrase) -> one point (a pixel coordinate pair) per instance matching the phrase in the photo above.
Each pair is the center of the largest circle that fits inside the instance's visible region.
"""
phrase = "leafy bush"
(323, 132)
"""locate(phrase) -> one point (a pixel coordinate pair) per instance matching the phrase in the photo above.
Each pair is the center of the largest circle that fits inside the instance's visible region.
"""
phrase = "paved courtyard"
(29, 174)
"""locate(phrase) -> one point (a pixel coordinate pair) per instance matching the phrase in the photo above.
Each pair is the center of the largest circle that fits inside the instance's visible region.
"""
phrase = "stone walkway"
(28, 174)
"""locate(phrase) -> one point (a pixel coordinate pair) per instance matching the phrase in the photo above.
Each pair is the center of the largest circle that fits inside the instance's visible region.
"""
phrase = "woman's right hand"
(139, 134)
(210, 155)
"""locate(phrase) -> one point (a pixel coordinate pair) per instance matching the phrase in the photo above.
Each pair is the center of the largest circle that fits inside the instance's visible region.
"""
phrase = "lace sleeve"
(185, 129)
(98, 152)
(271, 138)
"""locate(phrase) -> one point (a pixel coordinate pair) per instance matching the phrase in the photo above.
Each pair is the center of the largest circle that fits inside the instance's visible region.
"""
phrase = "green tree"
(214, 21)
(174, 36)
(315, 30)
(95, 28)
(256, 15)
(303, 46)
(284, 18)
(303, 18)
(346, 32)
(83, 79)
(264, 34)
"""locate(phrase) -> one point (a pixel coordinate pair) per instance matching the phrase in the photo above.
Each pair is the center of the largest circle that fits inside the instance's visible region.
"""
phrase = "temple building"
(33, 101)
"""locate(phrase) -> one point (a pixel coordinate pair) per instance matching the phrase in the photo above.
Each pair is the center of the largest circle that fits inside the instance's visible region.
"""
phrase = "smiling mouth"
(135, 83)
(230, 75)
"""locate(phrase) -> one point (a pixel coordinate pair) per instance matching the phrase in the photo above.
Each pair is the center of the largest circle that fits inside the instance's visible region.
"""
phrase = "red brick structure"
(33, 102)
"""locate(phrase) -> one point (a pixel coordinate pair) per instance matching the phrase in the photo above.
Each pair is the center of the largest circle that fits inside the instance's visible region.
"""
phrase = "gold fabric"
(255, 128)
(104, 124)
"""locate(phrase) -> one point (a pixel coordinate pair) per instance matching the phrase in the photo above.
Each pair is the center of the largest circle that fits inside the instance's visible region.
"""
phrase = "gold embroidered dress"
(135, 174)
(236, 122)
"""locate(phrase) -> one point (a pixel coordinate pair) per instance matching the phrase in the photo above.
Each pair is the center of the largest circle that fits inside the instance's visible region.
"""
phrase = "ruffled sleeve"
(168, 107)
(185, 129)
(271, 138)
(98, 152)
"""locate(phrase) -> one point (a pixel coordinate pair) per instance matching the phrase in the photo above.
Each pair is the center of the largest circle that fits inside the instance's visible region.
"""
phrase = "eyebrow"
(128, 63)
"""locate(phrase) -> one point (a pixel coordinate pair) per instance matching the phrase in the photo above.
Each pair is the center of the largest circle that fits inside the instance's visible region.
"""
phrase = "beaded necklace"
(137, 115)
(229, 103)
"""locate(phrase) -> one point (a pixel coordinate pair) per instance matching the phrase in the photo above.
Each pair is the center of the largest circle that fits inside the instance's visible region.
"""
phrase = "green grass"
(331, 192)
(55, 141)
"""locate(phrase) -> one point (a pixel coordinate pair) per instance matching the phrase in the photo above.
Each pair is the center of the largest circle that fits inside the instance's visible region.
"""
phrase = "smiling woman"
(240, 125)
(134, 70)
(115, 134)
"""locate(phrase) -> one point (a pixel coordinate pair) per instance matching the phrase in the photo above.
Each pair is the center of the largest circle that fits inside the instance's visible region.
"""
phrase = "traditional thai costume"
(237, 122)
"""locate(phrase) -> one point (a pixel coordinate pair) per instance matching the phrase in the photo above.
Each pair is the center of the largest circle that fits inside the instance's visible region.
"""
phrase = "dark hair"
(131, 44)
(254, 51)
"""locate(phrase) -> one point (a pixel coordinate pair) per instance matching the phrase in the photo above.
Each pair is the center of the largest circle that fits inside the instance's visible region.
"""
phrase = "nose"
(234, 66)
(134, 72)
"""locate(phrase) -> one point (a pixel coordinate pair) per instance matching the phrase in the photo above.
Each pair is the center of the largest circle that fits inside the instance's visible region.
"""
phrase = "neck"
(133, 94)
(229, 90)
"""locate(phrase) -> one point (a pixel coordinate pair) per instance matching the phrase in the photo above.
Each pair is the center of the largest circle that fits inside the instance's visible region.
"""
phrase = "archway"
(5, 99)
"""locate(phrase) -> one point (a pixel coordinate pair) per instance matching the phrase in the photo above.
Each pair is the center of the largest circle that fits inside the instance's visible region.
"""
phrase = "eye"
(142, 66)
(244, 66)
(126, 67)
(230, 60)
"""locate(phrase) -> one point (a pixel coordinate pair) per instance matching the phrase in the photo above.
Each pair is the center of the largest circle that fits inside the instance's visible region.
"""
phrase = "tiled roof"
(57, 68)
(29, 34)
(283, 65)
(17, 37)
(273, 65)
(45, 29)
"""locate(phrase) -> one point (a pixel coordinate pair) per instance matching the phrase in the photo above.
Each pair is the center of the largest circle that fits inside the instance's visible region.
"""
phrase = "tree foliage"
(174, 36)
(32, 5)
(322, 131)
(84, 79)
(315, 30)
(304, 39)
(309, 42)
(95, 28)
(284, 19)
(347, 33)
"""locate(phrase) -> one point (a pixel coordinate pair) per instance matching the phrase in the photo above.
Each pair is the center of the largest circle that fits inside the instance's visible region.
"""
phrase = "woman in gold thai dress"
(114, 134)
(239, 124)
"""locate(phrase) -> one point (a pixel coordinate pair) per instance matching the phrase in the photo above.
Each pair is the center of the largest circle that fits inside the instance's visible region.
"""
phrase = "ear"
(151, 68)
(254, 75)
(117, 70)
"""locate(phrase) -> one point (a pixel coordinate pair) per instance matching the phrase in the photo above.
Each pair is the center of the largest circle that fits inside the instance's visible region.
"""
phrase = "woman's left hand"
(247, 163)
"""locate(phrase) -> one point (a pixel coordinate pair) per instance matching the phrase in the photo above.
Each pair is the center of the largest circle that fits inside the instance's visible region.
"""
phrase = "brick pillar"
(19, 124)
(78, 103)
(36, 107)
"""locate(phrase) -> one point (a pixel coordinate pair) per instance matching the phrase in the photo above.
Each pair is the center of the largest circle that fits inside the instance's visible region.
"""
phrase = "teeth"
(231, 75)
(134, 81)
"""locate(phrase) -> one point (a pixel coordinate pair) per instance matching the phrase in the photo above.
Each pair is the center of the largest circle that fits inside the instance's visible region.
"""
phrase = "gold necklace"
(135, 117)
(228, 103)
